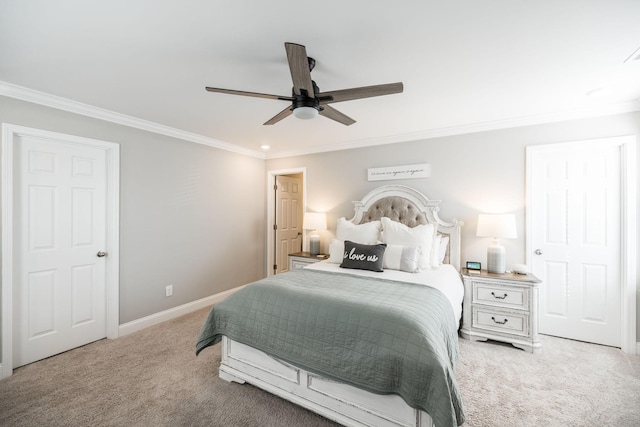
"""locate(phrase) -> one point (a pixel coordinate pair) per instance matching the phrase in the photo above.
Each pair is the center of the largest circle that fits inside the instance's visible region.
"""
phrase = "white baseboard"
(172, 313)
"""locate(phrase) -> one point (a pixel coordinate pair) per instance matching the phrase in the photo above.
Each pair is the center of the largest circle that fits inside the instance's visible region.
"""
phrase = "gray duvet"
(378, 335)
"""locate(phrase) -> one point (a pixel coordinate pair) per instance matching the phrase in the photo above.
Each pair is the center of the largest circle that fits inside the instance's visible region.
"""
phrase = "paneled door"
(60, 235)
(288, 219)
(575, 214)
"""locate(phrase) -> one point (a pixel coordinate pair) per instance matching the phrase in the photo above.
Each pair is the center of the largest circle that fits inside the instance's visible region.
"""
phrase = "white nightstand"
(501, 307)
(302, 259)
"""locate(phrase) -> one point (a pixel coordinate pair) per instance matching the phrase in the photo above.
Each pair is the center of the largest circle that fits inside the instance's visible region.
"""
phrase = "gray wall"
(472, 173)
(194, 216)
(190, 215)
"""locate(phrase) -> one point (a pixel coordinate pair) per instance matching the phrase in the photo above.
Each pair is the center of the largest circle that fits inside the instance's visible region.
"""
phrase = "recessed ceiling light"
(265, 147)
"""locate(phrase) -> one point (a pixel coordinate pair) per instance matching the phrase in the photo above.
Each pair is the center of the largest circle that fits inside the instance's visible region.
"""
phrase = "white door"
(575, 219)
(60, 228)
(288, 219)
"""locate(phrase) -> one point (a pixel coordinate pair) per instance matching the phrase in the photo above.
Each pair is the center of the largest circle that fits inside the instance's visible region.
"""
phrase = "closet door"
(575, 214)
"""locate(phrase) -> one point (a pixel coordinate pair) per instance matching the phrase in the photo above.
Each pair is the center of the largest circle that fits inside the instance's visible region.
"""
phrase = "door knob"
(538, 252)
(101, 254)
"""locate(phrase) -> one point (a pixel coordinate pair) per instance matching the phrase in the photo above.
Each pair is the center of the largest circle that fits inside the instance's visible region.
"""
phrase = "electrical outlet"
(168, 290)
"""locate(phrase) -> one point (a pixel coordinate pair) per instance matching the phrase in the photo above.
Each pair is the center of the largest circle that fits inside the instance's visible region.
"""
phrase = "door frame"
(112, 151)
(628, 203)
(271, 200)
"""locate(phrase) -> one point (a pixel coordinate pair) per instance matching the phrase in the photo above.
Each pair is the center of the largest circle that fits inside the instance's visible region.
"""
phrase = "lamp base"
(496, 258)
(314, 245)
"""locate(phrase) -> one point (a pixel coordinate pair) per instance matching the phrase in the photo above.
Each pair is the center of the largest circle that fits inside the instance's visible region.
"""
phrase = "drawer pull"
(499, 322)
(498, 297)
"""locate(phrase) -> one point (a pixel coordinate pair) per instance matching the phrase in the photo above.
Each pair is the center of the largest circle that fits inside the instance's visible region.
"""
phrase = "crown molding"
(47, 100)
(583, 113)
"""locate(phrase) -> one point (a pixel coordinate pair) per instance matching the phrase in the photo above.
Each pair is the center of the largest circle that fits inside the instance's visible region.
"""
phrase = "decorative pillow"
(366, 234)
(403, 258)
(363, 257)
(336, 251)
(420, 236)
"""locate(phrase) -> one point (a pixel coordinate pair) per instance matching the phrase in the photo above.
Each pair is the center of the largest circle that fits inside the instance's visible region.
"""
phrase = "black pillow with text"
(363, 257)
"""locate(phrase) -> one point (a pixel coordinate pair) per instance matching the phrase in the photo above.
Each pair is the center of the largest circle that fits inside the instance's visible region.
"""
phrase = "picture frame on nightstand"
(474, 267)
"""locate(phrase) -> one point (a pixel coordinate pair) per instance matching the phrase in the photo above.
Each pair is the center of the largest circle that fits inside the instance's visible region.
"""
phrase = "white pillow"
(420, 236)
(442, 251)
(403, 258)
(435, 251)
(336, 251)
(365, 234)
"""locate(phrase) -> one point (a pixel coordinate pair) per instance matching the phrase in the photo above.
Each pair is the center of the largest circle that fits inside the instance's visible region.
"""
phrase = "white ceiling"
(466, 65)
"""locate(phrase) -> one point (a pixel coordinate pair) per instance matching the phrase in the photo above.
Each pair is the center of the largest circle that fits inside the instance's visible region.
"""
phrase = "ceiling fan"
(306, 99)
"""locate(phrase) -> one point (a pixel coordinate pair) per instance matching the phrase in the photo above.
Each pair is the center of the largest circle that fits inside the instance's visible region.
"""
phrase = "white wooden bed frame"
(339, 402)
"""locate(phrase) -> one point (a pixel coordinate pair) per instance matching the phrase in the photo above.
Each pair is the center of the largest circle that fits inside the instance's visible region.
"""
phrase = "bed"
(362, 339)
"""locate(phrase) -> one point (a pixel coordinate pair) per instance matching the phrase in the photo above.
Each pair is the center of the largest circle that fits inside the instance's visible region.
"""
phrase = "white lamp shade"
(314, 221)
(497, 226)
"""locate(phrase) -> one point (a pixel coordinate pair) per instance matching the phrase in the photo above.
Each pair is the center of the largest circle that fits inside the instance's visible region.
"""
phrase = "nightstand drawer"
(301, 260)
(514, 324)
(500, 296)
(297, 263)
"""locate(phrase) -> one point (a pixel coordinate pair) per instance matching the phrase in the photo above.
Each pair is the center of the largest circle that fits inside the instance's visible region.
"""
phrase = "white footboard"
(342, 403)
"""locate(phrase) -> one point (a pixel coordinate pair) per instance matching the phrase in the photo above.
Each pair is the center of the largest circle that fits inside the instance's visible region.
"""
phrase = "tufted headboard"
(410, 207)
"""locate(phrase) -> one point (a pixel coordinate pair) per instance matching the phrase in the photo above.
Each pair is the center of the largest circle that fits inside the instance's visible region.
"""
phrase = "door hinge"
(275, 187)
(275, 226)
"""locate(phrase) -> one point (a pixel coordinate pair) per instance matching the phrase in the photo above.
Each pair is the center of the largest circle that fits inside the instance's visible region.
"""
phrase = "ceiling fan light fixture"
(305, 113)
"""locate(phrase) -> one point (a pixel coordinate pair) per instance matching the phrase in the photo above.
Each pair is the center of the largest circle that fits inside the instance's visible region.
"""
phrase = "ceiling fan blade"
(253, 94)
(299, 67)
(360, 92)
(281, 115)
(333, 114)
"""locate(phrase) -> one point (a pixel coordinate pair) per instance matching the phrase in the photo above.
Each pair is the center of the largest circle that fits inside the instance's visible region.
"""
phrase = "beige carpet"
(152, 378)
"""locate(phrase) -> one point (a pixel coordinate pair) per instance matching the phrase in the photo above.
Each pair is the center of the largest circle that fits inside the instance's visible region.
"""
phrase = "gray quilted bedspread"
(378, 335)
